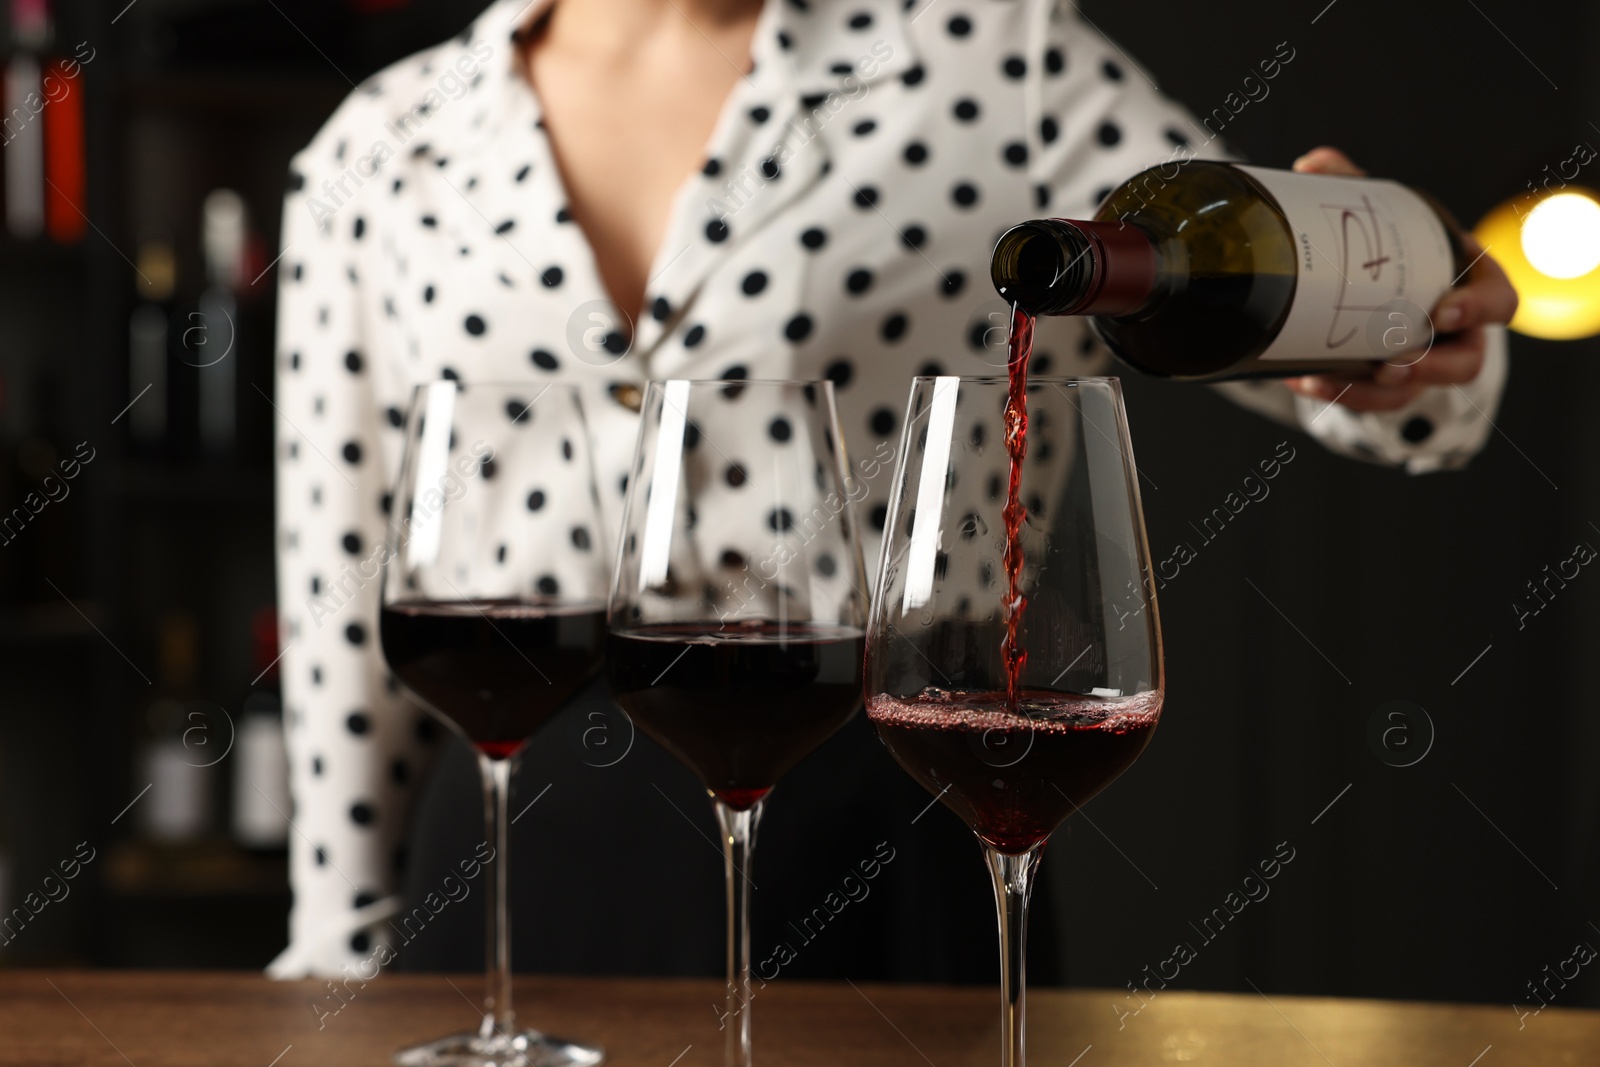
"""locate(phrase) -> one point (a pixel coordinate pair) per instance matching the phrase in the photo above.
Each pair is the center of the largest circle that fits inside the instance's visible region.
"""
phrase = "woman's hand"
(1457, 353)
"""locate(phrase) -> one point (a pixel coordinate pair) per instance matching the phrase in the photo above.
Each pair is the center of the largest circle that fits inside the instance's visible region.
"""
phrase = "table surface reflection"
(178, 1018)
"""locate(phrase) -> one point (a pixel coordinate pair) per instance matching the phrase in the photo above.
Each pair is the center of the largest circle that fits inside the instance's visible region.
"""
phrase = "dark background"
(1460, 877)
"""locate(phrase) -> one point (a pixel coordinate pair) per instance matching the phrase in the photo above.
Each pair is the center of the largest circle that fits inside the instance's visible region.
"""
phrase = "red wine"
(742, 706)
(1016, 425)
(1203, 269)
(498, 669)
(1014, 776)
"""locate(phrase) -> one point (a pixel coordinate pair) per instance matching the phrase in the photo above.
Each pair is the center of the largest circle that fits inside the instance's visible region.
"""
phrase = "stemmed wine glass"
(737, 612)
(1014, 703)
(493, 616)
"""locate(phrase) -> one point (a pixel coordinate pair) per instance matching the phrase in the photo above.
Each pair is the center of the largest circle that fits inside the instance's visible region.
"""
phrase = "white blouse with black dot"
(840, 228)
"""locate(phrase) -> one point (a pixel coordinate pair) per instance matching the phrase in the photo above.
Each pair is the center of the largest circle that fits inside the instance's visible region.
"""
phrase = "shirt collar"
(816, 46)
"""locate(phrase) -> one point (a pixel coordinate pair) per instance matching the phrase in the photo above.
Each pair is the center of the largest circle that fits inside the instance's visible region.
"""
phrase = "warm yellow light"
(1549, 246)
(1561, 236)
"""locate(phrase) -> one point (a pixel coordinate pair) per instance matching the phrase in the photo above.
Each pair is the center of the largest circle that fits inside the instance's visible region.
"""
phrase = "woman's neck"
(621, 26)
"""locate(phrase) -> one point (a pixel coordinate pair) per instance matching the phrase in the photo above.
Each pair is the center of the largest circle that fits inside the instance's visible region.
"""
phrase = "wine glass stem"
(498, 1018)
(738, 843)
(1013, 883)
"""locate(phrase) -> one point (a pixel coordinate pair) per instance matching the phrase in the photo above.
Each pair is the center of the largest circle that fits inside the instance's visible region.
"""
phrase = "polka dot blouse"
(839, 228)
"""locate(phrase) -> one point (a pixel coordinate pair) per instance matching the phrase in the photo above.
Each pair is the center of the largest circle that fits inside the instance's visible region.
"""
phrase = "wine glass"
(493, 616)
(1014, 705)
(737, 613)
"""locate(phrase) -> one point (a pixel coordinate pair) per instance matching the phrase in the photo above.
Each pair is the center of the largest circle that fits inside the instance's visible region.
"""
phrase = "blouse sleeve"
(355, 746)
(1098, 118)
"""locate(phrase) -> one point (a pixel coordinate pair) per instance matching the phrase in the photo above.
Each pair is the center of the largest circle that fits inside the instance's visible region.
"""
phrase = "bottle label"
(1374, 258)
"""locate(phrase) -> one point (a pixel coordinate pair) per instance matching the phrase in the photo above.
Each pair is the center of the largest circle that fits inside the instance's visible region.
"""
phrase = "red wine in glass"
(740, 707)
(498, 669)
(1013, 773)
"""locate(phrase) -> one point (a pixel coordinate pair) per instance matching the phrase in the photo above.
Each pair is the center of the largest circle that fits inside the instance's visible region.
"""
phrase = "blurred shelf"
(284, 95)
(31, 625)
(209, 868)
(39, 252)
(194, 484)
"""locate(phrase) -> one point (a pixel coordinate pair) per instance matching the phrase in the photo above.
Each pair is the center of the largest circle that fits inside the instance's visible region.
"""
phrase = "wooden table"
(118, 1018)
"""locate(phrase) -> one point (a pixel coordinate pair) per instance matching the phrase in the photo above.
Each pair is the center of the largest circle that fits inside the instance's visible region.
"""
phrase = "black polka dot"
(1111, 71)
(814, 238)
(352, 362)
(352, 452)
(548, 586)
(1417, 430)
(731, 558)
(1109, 134)
(427, 730)
(1041, 196)
(858, 281)
(536, 500)
(840, 372)
(879, 517)
(581, 539)
(551, 276)
(563, 215)
(475, 325)
(1101, 193)
(826, 566)
(882, 422)
(712, 168)
(860, 20)
(798, 328)
(1054, 61)
(916, 153)
(449, 374)
(770, 169)
(913, 76)
(1048, 130)
(543, 359)
(913, 236)
(758, 115)
(779, 429)
(522, 174)
(358, 723)
(717, 231)
(427, 294)
(964, 194)
(506, 227)
(316, 766)
(930, 369)
(735, 475)
(864, 127)
(995, 488)
(1177, 137)
(959, 26)
(953, 282)
(866, 196)
(320, 857)
(780, 519)
(1016, 154)
(894, 327)
(356, 634)
(429, 221)
(316, 675)
(965, 109)
(361, 814)
(358, 228)
(352, 543)
(1014, 66)
(694, 335)
(754, 283)
(660, 309)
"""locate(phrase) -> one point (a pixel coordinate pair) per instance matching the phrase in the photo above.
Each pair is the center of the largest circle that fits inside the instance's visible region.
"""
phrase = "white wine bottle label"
(1374, 258)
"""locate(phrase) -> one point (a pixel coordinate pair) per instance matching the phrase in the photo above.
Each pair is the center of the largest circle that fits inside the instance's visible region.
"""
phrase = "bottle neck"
(1073, 267)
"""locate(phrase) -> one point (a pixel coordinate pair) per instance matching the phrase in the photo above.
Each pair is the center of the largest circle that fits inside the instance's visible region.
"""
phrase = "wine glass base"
(524, 1048)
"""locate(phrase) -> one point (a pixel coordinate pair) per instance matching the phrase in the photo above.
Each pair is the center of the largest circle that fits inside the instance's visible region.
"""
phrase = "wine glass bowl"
(493, 616)
(1014, 678)
(737, 614)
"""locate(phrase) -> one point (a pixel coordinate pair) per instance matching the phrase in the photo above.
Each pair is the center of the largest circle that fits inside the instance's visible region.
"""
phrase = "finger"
(1327, 160)
(1456, 362)
(1486, 296)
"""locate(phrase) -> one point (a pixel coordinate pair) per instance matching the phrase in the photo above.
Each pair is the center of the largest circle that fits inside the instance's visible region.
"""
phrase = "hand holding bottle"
(1457, 355)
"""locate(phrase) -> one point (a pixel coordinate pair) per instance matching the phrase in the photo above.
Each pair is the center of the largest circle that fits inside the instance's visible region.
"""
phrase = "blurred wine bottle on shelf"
(260, 762)
(181, 740)
(214, 348)
(44, 136)
(150, 348)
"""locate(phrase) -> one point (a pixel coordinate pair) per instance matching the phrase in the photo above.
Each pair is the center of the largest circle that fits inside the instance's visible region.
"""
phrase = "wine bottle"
(1205, 270)
(260, 761)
